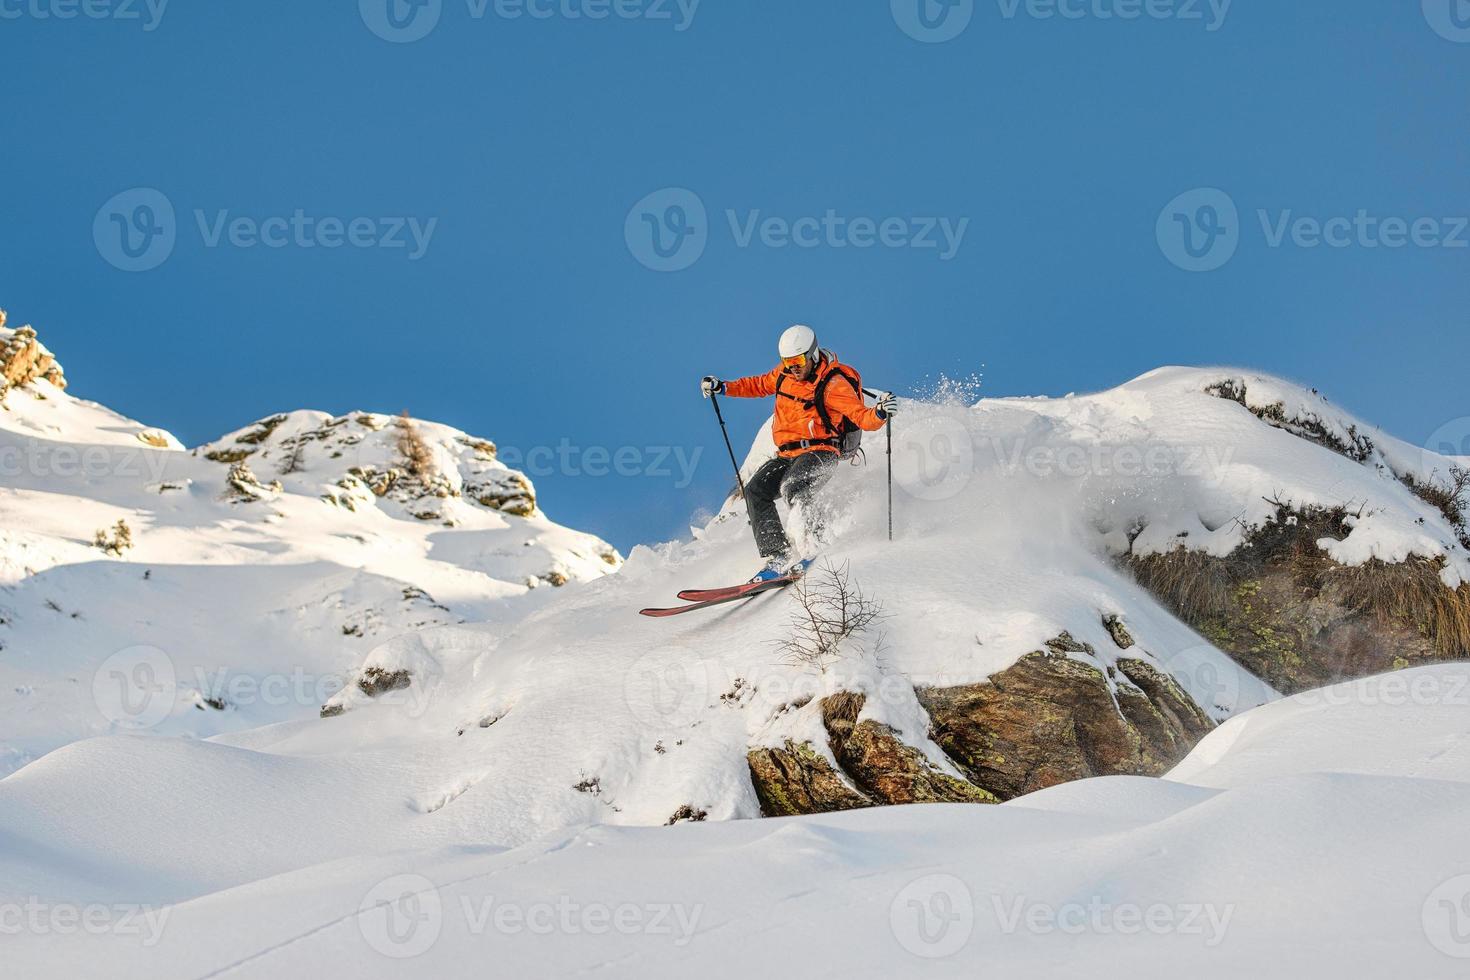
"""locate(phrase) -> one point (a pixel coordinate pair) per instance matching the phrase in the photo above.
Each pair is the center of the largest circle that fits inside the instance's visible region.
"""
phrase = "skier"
(820, 414)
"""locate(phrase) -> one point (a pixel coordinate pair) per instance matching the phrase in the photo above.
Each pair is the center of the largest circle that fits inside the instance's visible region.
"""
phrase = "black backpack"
(846, 437)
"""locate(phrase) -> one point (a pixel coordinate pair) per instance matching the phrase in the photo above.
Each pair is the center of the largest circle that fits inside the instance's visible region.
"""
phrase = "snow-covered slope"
(251, 584)
(506, 720)
(1319, 837)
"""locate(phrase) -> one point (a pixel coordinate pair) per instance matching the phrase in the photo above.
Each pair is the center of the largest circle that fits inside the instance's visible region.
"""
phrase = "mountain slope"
(252, 574)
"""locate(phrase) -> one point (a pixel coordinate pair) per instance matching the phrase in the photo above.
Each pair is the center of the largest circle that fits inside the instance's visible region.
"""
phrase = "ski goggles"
(793, 362)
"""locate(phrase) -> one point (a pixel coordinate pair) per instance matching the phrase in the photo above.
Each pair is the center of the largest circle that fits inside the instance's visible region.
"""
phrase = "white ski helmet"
(798, 340)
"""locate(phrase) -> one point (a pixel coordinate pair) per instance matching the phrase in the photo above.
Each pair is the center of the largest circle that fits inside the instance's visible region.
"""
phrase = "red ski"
(705, 598)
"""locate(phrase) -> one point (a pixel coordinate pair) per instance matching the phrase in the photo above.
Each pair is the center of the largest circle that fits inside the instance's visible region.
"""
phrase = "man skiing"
(819, 412)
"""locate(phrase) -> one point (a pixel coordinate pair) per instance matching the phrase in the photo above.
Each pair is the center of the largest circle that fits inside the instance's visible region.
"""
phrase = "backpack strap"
(821, 394)
(781, 394)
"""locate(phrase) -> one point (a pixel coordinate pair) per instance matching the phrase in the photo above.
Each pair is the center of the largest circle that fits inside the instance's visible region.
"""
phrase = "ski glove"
(712, 385)
(887, 406)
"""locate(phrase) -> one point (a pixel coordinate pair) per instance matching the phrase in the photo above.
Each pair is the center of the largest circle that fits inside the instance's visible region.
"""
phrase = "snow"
(1320, 836)
(546, 733)
(267, 605)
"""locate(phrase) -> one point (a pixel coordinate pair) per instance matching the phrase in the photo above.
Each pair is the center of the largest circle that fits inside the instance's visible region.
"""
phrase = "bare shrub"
(829, 610)
(418, 458)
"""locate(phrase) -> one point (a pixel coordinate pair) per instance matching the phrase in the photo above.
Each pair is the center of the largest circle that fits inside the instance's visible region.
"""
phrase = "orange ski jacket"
(798, 426)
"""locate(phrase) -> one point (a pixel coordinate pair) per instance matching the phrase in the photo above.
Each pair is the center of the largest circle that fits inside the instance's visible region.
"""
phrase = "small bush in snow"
(114, 540)
(829, 610)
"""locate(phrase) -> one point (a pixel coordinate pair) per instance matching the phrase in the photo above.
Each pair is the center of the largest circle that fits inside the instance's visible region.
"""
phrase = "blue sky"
(526, 151)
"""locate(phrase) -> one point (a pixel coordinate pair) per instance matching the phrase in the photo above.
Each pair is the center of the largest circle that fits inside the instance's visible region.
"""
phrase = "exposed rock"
(375, 681)
(1052, 717)
(886, 768)
(1114, 625)
(1297, 619)
(24, 359)
(242, 485)
(797, 779)
(687, 814)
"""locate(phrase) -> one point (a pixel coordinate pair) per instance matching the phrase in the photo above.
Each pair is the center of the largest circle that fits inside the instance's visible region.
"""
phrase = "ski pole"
(889, 427)
(714, 400)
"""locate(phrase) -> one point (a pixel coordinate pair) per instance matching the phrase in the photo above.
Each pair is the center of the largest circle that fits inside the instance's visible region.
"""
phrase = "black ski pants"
(797, 478)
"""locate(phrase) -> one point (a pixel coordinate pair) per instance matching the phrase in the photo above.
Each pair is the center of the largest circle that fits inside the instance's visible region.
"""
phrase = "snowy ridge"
(256, 580)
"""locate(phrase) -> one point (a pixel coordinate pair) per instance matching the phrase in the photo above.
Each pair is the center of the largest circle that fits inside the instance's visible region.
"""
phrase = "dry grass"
(1410, 591)
(1201, 588)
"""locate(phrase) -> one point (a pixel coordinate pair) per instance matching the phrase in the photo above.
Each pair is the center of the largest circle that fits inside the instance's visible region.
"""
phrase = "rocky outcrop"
(796, 779)
(886, 768)
(1053, 717)
(1299, 620)
(24, 359)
